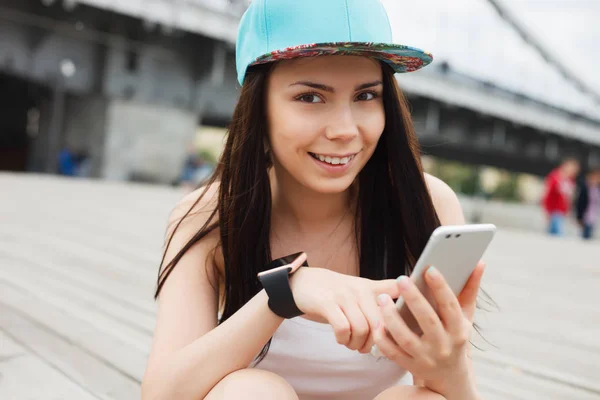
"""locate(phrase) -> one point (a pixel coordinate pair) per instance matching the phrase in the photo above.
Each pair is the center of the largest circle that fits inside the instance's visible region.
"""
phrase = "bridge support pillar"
(432, 121)
(499, 135)
(551, 149)
(146, 142)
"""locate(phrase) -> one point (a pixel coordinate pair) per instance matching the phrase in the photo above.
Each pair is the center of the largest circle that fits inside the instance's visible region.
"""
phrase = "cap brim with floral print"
(400, 58)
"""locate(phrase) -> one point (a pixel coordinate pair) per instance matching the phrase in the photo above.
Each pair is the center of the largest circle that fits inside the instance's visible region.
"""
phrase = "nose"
(342, 125)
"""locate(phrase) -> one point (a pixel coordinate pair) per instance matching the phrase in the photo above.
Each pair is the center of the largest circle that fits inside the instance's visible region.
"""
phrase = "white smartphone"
(455, 251)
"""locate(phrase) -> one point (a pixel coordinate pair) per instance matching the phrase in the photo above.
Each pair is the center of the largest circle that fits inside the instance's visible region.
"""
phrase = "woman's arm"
(190, 353)
(190, 372)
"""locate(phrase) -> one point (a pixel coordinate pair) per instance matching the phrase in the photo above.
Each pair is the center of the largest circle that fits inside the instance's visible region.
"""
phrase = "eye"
(309, 98)
(366, 96)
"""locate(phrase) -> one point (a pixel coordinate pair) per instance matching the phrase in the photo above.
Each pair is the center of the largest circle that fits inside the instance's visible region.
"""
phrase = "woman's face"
(325, 116)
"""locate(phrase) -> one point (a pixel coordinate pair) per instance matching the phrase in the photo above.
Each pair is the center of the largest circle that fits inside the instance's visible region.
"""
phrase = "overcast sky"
(560, 24)
(470, 35)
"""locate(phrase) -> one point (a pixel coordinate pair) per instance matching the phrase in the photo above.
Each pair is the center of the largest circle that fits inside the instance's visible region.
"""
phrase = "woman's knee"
(252, 384)
(409, 392)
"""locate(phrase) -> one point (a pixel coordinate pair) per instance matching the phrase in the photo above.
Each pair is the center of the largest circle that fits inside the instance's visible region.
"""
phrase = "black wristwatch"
(276, 282)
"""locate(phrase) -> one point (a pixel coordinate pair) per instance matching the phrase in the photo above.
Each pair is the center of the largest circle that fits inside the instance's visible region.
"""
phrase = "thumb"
(387, 286)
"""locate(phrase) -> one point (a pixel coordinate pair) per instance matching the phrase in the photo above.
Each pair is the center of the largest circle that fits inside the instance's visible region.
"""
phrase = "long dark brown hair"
(394, 215)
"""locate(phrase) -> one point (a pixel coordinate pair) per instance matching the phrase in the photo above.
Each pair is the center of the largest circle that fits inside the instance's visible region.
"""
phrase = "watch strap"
(275, 280)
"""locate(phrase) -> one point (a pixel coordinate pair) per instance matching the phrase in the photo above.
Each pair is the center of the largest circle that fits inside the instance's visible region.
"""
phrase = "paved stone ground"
(78, 261)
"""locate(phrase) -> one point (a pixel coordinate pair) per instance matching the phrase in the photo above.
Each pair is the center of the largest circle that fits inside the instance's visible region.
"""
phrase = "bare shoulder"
(188, 217)
(445, 201)
(195, 208)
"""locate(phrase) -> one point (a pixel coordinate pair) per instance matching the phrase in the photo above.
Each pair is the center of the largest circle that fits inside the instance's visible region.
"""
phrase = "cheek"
(373, 125)
(290, 130)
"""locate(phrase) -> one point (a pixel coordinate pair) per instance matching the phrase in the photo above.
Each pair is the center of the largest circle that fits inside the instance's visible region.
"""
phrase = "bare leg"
(252, 384)
(409, 393)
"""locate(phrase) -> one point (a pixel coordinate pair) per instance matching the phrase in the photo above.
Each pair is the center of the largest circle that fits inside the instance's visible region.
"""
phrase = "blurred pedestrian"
(587, 203)
(66, 162)
(560, 185)
(75, 163)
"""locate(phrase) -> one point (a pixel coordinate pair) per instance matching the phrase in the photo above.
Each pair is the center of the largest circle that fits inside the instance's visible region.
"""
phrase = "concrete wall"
(157, 77)
(85, 123)
(146, 142)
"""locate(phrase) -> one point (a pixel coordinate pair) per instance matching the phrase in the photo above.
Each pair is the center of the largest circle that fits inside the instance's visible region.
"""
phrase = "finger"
(386, 286)
(371, 311)
(404, 337)
(359, 327)
(426, 317)
(340, 324)
(366, 348)
(469, 293)
(448, 307)
(391, 350)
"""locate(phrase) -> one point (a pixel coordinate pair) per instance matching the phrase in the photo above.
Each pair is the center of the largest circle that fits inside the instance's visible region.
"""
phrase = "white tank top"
(306, 354)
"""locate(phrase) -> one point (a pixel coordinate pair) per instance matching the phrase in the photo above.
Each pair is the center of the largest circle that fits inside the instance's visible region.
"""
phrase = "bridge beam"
(470, 137)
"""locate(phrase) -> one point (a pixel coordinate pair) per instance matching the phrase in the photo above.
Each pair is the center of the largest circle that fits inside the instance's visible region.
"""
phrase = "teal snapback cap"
(273, 30)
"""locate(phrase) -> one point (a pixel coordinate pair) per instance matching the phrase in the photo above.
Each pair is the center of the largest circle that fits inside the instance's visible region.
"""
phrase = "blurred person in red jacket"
(560, 185)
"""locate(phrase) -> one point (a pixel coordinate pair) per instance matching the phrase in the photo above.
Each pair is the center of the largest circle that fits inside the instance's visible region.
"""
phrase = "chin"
(331, 186)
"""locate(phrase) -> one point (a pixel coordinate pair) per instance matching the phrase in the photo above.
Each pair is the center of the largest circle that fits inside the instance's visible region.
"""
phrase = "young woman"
(321, 159)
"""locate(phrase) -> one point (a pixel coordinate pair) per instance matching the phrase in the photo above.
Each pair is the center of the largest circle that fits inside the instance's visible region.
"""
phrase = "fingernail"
(382, 299)
(403, 281)
(433, 272)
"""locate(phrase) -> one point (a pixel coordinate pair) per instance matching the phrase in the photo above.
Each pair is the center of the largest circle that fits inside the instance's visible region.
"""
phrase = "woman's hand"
(439, 356)
(347, 303)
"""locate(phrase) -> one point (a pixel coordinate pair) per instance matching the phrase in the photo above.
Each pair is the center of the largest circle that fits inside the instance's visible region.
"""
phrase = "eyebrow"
(330, 89)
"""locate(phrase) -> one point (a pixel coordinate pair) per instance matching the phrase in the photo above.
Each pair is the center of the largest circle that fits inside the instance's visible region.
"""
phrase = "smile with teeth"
(333, 160)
